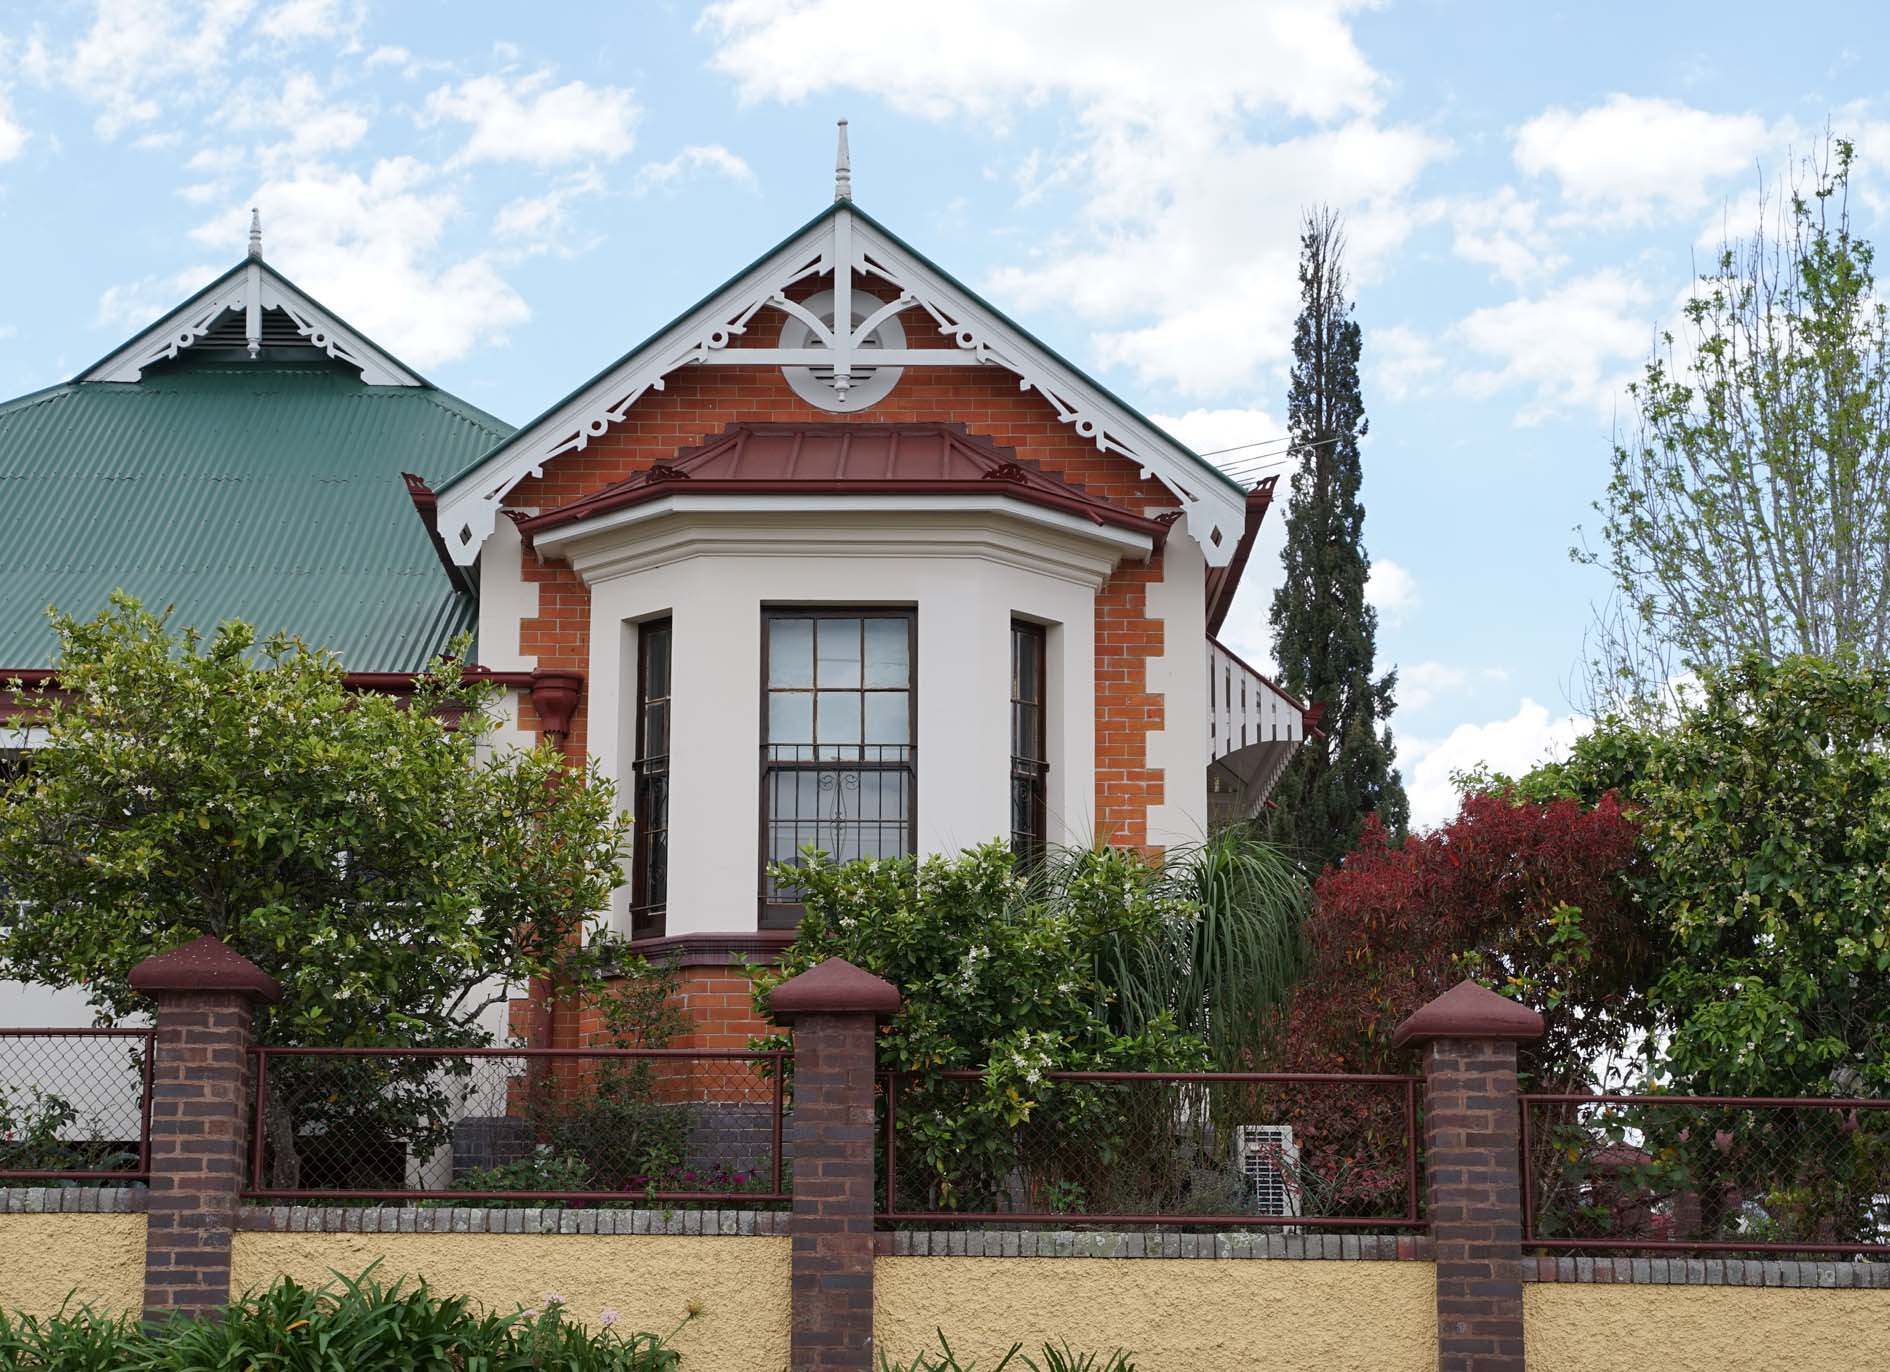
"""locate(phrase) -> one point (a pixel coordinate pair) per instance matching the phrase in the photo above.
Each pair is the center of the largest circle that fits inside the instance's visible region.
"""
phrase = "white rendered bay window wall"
(744, 754)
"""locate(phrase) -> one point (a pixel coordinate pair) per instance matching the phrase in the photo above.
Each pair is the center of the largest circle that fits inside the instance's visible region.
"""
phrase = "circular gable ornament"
(862, 386)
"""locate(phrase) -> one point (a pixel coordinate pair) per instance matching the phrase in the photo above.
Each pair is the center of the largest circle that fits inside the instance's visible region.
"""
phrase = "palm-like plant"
(1229, 956)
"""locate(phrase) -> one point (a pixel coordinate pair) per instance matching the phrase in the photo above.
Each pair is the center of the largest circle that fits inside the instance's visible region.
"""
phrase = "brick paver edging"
(72, 1200)
(1843, 1276)
(1068, 1243)
(468, 1219)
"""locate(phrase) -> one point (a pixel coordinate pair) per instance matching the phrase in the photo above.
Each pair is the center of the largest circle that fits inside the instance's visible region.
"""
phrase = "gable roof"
(250, 289)
(262, 490)
(1213, 504)
(847, 459)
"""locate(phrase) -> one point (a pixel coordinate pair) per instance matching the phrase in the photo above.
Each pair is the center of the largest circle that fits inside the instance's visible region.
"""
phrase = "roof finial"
(255, 232)
(842, 169)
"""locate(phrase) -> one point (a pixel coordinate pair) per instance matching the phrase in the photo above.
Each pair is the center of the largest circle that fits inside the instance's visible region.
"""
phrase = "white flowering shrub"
(1000, 975)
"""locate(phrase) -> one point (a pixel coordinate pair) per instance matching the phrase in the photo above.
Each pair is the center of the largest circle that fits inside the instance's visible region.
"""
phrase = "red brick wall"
(697, 403)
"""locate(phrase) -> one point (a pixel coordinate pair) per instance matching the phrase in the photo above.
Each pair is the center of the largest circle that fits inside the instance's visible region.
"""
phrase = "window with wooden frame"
(1030, 756)
(838, 754)
(649, 871)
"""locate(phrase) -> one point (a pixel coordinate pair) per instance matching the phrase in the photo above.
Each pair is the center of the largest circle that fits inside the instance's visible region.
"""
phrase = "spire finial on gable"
(842, 169)
(255, 232)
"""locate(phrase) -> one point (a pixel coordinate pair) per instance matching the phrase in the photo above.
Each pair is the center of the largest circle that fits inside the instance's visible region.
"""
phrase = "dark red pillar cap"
(1469, 1011)
(833, 987)
(204, 964)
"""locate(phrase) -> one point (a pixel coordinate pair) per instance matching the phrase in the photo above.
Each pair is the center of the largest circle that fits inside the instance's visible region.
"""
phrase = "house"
(840, 556)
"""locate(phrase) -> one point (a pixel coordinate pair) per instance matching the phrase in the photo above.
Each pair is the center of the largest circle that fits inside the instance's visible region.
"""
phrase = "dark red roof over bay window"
(848, 459)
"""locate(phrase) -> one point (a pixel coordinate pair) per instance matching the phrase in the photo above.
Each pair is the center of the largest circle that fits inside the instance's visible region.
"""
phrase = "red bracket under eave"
(425, 503)
(1224, 582)
(1310, 719)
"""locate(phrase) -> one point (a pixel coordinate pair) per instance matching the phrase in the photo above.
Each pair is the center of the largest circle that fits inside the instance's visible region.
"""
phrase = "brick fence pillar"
(1472, 1171)
(834, 1008)
(206, 996)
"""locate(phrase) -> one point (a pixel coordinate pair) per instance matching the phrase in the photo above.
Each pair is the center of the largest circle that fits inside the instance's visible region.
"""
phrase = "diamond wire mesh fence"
(520, 1126)
(75, 1105)
(1293, 1151)
(1618, 1174)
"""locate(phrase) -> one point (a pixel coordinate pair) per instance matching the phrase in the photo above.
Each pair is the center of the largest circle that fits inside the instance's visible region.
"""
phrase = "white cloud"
(1571, 348)
(705, 157)
(1422, 684)
(1214, 431)
(12, 133)
(1505, 233)
(1632, 157)
(543, 222)
(369, 247)
(296, 20)
(135, 304)
(1512, 745)
(1184, 258)
(1391, 590)
(1401, 359)
(524, 118)
(316, 121)
(986, 57)
(141, 57)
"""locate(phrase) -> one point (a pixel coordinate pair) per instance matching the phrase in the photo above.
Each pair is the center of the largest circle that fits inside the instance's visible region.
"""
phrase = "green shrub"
(1000, 974)
(1055, 1358)
(345, 1326)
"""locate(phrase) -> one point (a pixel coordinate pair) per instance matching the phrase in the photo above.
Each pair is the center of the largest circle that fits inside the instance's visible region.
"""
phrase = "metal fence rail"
(75, 1104)
(1706, 1174)
(518, 1125)
(1298, 1150)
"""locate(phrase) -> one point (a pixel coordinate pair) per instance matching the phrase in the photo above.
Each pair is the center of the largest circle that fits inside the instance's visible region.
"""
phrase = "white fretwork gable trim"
(250, 290)
(1213, 510)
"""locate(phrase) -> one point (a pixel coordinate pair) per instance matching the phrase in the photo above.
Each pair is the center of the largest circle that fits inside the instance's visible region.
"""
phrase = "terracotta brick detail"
(200, 1106)
(1472, 1133)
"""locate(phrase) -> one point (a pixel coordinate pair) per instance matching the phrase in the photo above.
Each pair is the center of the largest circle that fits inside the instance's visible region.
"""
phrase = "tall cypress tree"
(1324, 634)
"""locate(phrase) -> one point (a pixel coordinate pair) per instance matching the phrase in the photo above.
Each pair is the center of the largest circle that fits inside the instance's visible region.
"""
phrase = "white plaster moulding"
(980, 528)
(1213, 513)
(250, 291)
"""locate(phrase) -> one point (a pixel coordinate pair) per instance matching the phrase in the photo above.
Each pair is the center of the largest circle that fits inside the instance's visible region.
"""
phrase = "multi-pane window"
(838, 756)
(1030, 760)
(649, 878)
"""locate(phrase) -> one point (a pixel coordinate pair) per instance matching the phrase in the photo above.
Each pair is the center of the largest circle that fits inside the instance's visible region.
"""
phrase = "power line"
(1286, 439)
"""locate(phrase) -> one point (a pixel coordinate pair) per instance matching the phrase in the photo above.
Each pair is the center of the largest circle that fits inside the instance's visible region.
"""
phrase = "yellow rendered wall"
(1175, 1315)
(648, 1279)
(96, 1260)
(1570, 1328)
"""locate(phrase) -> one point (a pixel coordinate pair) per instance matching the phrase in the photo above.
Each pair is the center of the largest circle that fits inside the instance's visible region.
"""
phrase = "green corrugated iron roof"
(264, 491)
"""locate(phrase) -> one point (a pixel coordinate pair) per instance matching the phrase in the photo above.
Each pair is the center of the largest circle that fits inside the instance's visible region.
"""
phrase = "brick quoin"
(1472, 1171)
(206, 997)
(834, 1009)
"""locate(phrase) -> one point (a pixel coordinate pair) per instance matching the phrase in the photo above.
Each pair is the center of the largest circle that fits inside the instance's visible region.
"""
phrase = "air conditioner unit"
(1269, 1159)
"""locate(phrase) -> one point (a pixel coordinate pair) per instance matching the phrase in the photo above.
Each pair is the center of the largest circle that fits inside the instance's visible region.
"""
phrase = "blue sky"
(510, 196)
